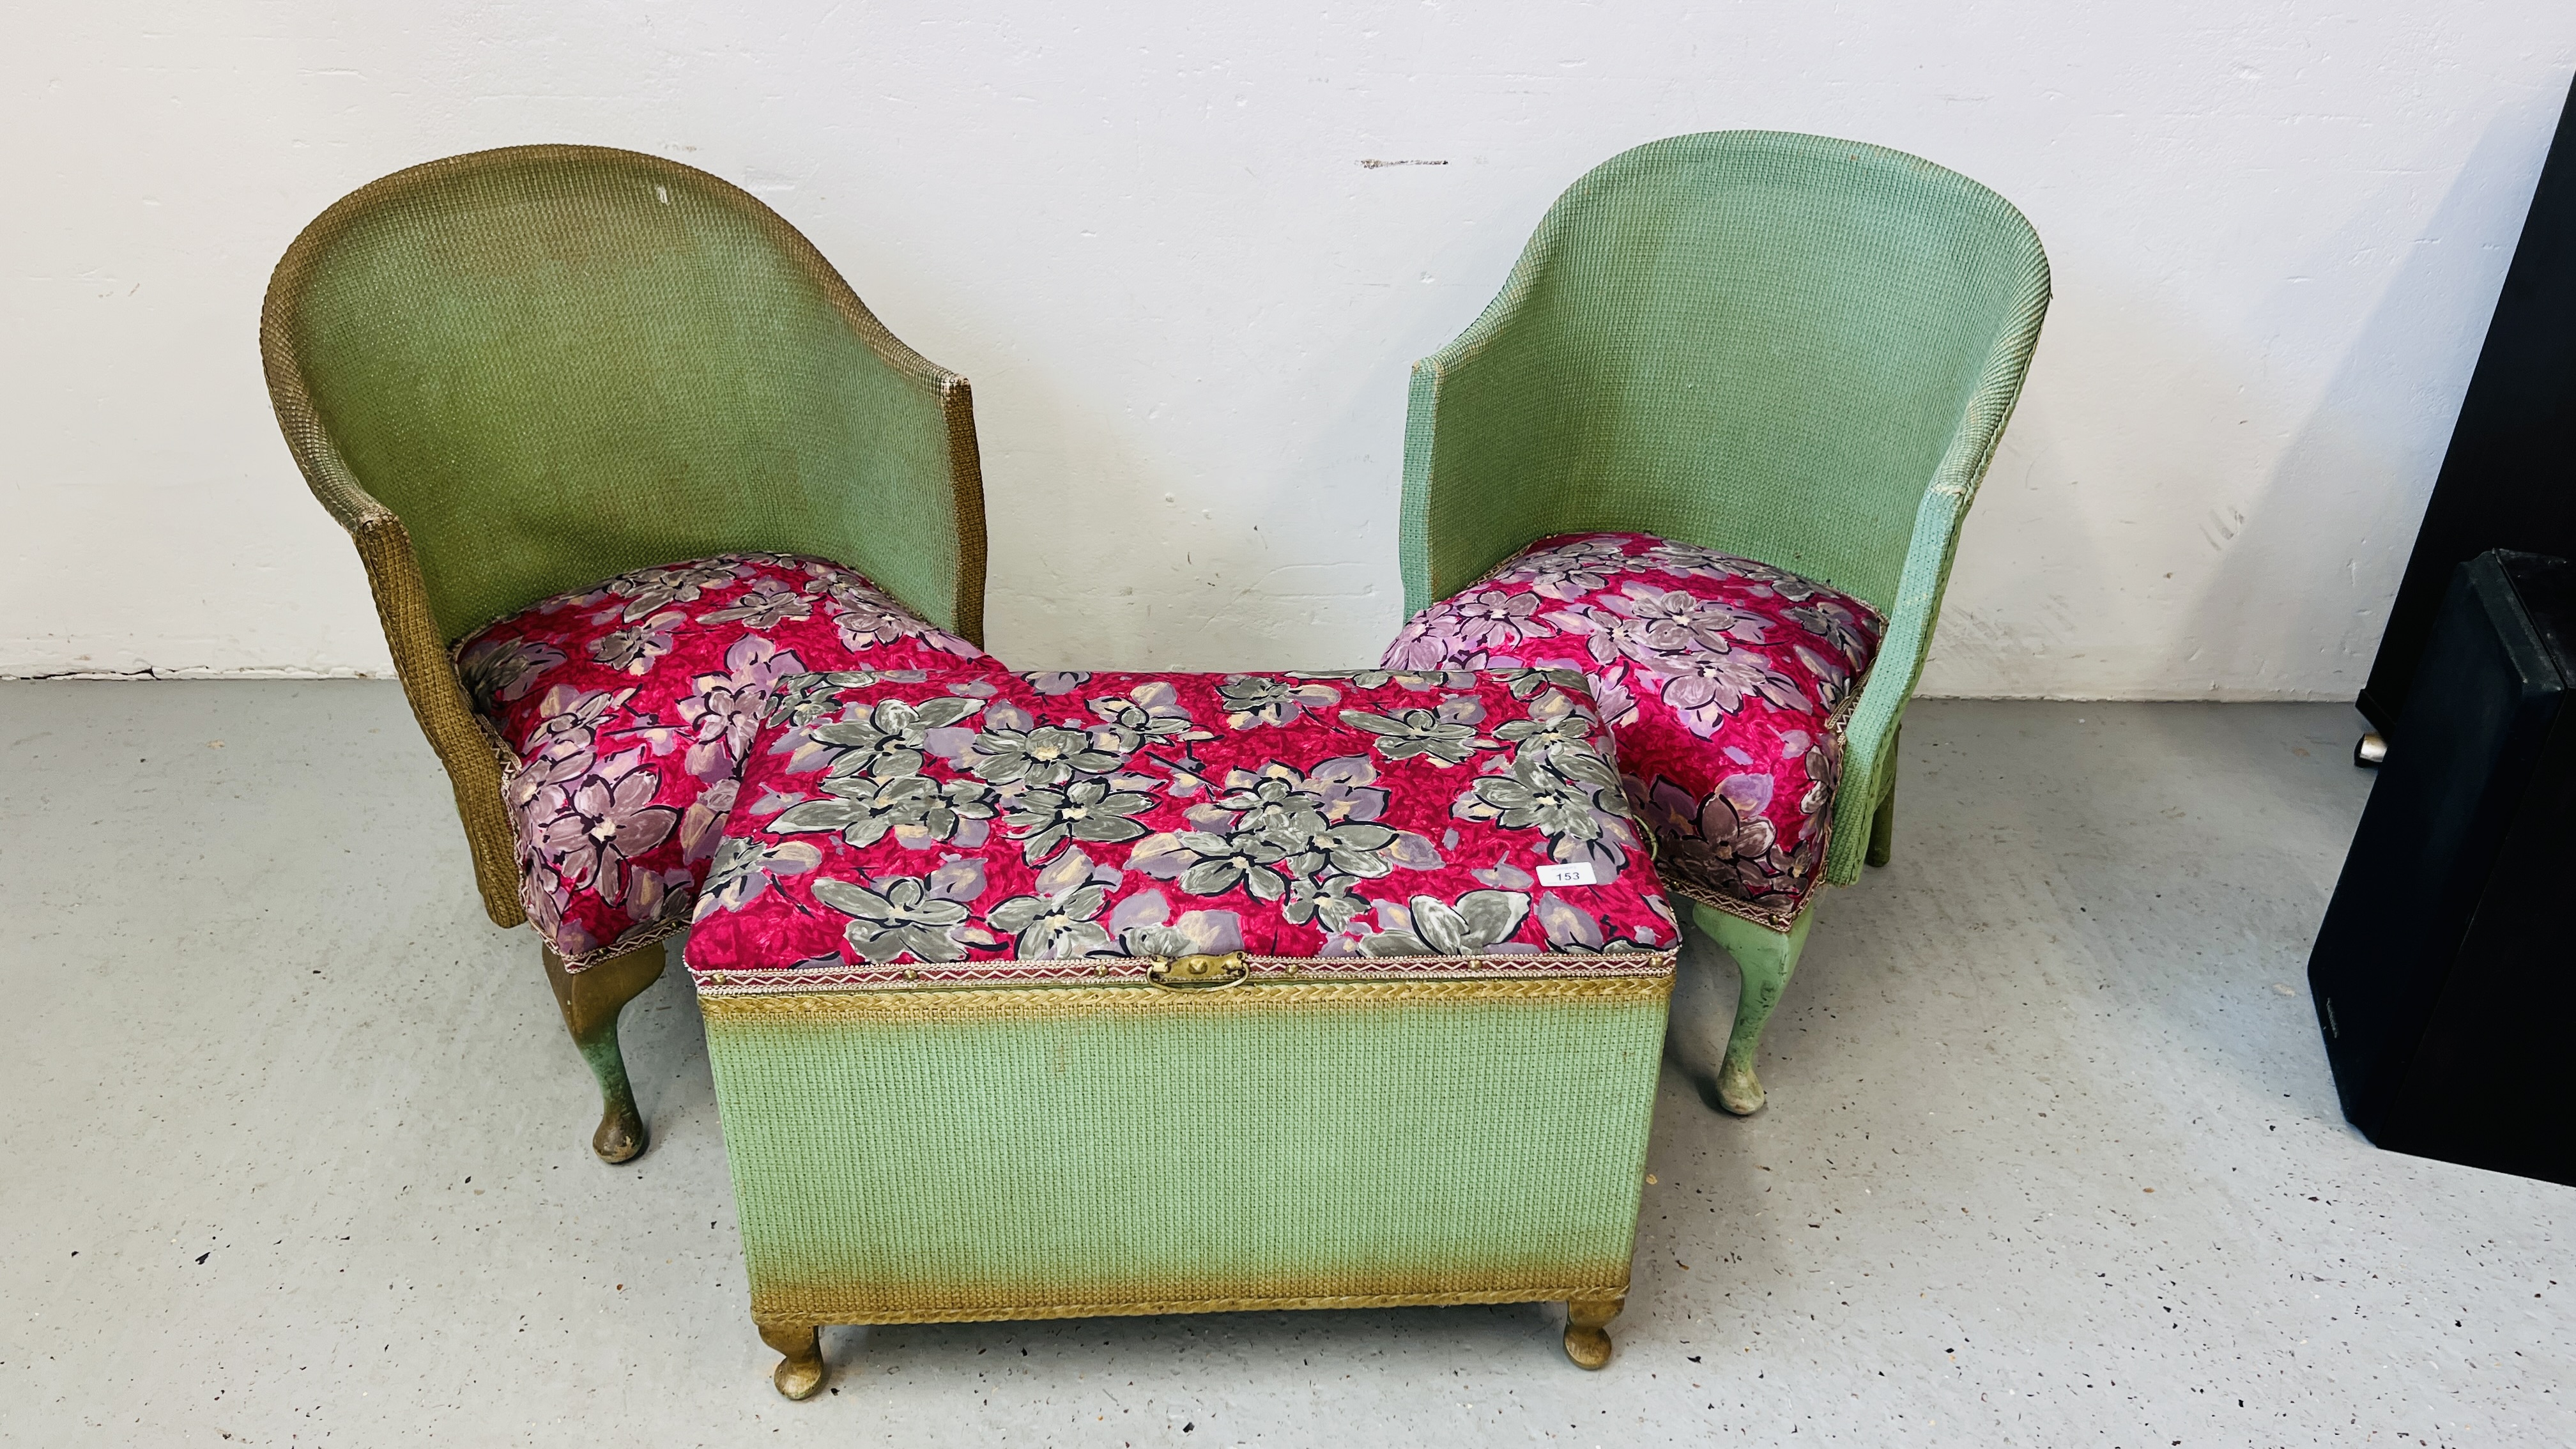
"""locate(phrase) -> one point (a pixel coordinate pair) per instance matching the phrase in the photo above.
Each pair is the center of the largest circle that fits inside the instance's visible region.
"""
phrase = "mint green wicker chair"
(518, 372)
(1787, 347)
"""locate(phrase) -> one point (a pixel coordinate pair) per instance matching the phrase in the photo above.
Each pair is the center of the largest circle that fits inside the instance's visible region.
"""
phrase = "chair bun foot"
(1735, 1090)
(800, 1365)
(1586, 1320)
(621, 1136)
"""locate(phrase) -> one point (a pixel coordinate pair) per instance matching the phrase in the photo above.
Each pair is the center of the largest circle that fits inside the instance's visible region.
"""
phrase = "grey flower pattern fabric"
(1402, 817)
(1723, 679)
(627, 710)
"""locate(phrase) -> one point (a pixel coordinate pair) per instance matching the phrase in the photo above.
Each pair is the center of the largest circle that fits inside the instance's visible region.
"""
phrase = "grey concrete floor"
(292, 1148)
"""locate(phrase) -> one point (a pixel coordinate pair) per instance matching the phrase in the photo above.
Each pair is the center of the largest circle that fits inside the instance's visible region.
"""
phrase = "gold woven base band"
(814, 1308)
(1064, 1002)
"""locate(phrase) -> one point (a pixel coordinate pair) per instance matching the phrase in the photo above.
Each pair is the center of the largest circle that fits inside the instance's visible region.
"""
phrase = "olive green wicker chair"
(1791, 348)
(518, 372)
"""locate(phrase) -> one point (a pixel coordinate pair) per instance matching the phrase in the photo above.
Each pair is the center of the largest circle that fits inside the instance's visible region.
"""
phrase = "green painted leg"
(1765, 959)
(1882, 821)
(1882, 829)
(591, 1001)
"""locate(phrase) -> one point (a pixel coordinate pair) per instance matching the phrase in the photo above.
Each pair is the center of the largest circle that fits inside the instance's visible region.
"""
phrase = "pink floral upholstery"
(1723, 681)
(980, 825)
(626, 711)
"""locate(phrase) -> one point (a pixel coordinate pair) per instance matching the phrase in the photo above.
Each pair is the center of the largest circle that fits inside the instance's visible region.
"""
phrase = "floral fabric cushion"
(1723, 680)
(626, 711)
(1000, 827)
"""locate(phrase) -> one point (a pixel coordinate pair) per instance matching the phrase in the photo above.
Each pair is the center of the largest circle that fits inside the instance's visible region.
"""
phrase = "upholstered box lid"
(926, 828)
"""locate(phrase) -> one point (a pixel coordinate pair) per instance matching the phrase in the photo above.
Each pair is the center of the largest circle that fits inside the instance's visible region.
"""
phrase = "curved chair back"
(556, 363)
(515, 373)
(1766, 343)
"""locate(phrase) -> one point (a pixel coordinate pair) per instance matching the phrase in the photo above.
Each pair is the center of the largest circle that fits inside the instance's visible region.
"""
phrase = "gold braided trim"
(1062, 1003)
(1136, 971)
(1782, 922)
(651, 933)
(815, 1308)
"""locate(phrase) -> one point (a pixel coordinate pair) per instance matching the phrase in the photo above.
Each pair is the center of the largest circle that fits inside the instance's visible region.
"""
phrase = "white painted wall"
(1144, 232)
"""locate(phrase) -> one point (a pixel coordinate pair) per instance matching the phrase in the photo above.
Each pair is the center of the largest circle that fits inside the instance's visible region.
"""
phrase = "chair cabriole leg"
(1882, 829)
(800, 1364)
(591, 1000)
(1882, 821)
(1765, 959)
(1586, 1320)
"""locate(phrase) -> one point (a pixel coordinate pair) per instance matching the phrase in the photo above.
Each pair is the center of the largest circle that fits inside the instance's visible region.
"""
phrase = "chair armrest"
(1869, 735)
(1495, 482)
(446, 714)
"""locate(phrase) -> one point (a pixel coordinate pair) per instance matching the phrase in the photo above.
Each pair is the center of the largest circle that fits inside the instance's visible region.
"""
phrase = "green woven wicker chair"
(518, 373)
(1782, 348)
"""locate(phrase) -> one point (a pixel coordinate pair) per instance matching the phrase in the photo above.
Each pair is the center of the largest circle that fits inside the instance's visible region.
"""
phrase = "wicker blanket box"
(1062, 995)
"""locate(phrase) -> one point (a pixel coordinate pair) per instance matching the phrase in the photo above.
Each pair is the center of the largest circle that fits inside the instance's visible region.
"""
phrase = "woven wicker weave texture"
(514, 373)
(1789, 347)
(1035, 1153)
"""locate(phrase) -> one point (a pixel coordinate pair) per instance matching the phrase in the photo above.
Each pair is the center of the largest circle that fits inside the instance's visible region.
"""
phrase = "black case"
(2509, 480)
(2445, 972)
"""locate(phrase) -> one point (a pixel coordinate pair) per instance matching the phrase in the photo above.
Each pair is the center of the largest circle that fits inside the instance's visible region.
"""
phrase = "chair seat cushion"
(1724, 683)
(624, 712)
